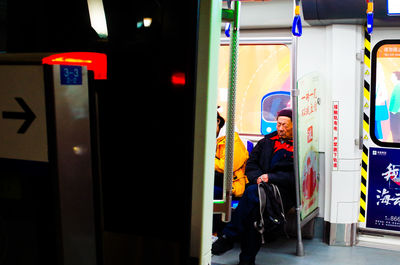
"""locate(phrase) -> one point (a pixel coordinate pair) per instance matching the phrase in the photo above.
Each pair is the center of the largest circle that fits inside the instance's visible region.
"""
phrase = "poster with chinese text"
(309, 87)
(383, 208)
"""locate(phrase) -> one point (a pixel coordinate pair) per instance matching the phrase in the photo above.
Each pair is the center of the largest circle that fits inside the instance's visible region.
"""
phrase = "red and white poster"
(308, 141)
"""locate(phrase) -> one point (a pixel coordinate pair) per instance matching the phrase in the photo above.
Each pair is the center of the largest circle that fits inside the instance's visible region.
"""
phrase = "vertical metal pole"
(295, 93)
(230, 124)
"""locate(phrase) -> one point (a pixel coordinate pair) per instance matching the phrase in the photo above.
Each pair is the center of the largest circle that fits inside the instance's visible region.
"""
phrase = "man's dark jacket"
(274, 156)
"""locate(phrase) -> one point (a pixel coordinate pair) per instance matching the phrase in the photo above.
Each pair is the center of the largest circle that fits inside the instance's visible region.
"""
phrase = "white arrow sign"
(23, 132)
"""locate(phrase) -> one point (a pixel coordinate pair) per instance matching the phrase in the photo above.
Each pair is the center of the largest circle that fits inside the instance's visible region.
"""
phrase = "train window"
(270, 105)
(263, 85)
(385, 93)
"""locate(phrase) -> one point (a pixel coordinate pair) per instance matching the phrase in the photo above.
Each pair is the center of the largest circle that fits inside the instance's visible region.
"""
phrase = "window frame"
(286, 41)
(373, 93)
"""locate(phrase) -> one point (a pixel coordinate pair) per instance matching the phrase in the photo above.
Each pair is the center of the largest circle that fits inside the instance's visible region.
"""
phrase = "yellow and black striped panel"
(366, 122)
(367, 49)
(363, 196)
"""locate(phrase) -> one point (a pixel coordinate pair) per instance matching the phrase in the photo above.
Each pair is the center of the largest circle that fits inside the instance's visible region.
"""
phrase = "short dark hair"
(222, 120)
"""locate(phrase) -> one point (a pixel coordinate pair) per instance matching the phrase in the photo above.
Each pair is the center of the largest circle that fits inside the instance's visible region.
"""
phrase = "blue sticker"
(71, 75)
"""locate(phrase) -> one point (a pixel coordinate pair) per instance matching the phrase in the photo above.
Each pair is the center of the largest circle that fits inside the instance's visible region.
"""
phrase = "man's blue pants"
(242, 224)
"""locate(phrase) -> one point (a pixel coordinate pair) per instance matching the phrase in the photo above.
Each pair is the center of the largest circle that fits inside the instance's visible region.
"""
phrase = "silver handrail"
(224, 206)
(295, 93)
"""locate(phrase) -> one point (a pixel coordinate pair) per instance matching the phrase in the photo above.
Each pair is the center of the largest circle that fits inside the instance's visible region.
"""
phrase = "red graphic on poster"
(309, 134)
(310, 180)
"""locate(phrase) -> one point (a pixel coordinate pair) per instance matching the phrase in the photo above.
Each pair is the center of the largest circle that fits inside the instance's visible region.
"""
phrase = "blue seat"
(250, 146)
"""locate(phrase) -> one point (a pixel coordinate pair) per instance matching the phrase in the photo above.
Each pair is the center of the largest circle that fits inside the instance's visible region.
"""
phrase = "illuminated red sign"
(335, 140)
(96, 62)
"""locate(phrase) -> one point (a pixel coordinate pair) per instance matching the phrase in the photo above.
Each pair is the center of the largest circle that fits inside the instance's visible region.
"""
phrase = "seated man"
(270, 161)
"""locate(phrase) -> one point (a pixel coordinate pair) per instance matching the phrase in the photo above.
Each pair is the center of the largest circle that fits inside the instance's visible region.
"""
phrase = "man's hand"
(263, 177)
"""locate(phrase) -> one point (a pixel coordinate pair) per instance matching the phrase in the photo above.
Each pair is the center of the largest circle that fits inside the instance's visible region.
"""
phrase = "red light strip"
(97, 62)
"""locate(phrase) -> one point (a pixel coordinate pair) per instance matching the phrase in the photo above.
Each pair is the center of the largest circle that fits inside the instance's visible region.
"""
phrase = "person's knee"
(251, 188)
(252, 192)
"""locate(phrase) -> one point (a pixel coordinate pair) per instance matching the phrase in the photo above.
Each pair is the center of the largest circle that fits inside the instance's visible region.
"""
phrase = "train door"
(380, 180)
(266, 65)
(264, 88)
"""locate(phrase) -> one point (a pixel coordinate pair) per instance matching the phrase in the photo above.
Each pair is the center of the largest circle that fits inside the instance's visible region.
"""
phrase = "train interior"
(332, 69)
(107, 139)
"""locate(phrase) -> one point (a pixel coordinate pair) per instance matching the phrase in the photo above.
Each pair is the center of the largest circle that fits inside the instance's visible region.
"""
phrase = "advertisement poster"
(387, 101)
(308, 141)
(383, 209)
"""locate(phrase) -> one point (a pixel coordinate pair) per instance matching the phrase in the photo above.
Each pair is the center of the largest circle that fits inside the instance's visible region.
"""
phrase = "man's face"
(284, 127)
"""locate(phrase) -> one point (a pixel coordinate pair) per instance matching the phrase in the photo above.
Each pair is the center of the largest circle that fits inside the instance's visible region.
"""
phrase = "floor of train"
(282, 251)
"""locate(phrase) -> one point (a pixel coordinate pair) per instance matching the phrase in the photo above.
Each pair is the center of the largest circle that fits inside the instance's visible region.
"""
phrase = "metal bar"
(294, 94)
(360, 57)
(225, 206)
(378, 232)
(260, 40)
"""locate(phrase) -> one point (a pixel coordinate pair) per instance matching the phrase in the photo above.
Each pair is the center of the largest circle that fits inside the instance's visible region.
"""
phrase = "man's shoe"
(222, 245)
(246, 263)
